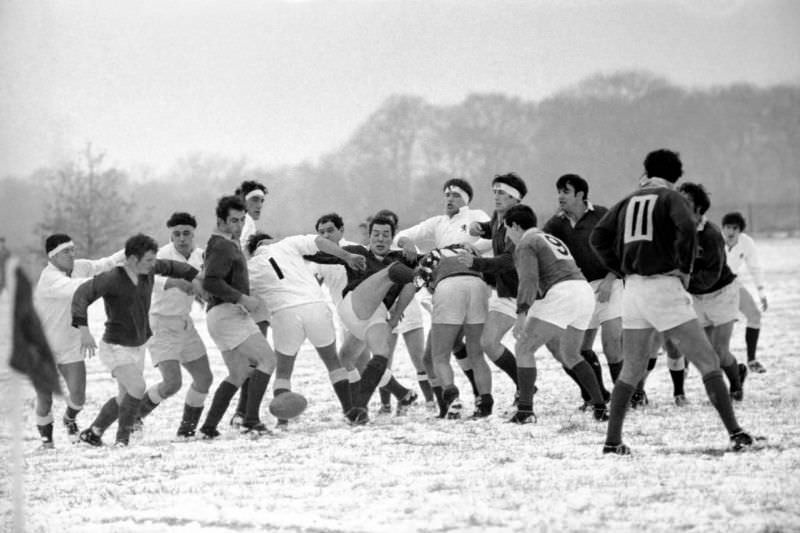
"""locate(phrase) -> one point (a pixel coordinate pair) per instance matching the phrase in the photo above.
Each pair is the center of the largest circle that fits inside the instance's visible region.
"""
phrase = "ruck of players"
(648, 275)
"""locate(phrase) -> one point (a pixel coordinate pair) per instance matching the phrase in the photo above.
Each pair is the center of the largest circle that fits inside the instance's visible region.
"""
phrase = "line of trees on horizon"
(740, 141)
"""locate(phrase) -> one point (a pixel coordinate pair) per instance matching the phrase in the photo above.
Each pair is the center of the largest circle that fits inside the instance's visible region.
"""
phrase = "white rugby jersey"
(279, 274)
(249, 228)
(173, 302)
(333, 276)
(445, 230)
(52, 299)
(744, 253)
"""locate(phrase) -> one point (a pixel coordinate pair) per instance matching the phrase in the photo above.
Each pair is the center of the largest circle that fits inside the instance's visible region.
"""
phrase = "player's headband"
(508, 189)
(254, 193)
(60, 248)
(459, 191)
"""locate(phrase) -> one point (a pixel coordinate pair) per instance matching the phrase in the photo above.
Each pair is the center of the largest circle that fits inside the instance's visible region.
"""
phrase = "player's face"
(380, 239)
(568, 199)
(146, 264)
(503, 201)
(182, 236)
(694, 209)
(65, 259)
(328, 230)
(514, 232)
(731, 233)
(452, 203)
(254, 205)
(233, 223)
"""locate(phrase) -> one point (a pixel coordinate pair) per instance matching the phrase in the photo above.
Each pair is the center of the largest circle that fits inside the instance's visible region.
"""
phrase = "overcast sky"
(279, 82)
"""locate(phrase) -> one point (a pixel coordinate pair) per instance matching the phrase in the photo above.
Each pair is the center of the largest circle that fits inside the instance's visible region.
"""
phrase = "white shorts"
(608, 310)
(116, 355)
(174, 339)
(749, 307)
(72, 355)
(567, 303)
(659, 302)
(505, 305)
(412, 318)
(719, 307)
(460, 300)
(230, 325)
(355, 325)
(292, 325)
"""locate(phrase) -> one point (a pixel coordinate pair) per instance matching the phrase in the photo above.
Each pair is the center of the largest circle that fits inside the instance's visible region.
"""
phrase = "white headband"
(60, 248)
(459, 191)
(508, 189)
(254, 193)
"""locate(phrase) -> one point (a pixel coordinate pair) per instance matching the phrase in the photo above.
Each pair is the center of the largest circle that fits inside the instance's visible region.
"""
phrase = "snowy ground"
(416, 473)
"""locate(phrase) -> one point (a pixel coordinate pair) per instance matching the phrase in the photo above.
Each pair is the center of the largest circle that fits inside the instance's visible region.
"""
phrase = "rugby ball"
(288, 405)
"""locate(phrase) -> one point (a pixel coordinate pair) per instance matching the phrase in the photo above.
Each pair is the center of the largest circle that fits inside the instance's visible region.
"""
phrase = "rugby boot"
(600, 412)
(209, 433)
(405, 403)
(90, 437)
(738, 395)
(72, 428)
(483, 407)
(616, 449)
(756, 366)
(254, 429)
(523, 416)
(452, 403)
(357, 416)
(46, 436)
(740, 441)
(639, 399)
(680, 400)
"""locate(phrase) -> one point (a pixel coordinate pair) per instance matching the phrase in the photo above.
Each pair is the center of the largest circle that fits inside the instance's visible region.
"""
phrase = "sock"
(400, 273)
(751, 340)
(584, 393)
(386, 396)
(107, 415)
(72, 412)
(342, 390)
(527, 380)
(128, 410)
(149, 402)
(425, 386)
(45, 431)
(241, 407)
(354, 378)
(614, 369)
(678, 377)
(584, 373)
(590, 357)
(620, 399)
(255, 393)
(220, 402)
(396, 389)
(721, 400)
(370, 378)
(732, 372)
(191, 416)
(508, 364)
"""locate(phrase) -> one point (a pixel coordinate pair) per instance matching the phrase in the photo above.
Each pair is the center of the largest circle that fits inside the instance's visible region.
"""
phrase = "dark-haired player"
(52, 298)
(650, 238)
(554, 302)
(741, 251)
(298, 310)
(253, 194)
(175, 341)
(126, 291)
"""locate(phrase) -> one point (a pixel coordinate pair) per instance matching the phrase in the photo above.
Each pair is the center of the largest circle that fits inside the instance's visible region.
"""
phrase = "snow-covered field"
(417, 473)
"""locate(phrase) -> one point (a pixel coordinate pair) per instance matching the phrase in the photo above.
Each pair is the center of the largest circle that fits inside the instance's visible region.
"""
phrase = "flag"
(28, 351)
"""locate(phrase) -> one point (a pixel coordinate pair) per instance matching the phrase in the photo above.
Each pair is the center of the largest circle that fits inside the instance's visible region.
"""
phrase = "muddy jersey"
(541, 261)
(650, 232)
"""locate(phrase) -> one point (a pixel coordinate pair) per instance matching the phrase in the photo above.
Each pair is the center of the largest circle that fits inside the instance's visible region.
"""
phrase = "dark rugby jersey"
(127, 305)
(577, 239)
(374, 264)
(498, 271)
(652, 231)
(225, 271)
(542, 261)
(711, 272)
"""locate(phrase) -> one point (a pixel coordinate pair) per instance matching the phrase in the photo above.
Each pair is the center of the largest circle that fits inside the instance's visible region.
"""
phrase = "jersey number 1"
(639, 218)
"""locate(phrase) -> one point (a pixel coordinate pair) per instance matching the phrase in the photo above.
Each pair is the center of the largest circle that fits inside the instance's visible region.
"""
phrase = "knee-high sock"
(620, 399)
(107, 415)
(584, 393)
(751, 340)
(461, 354)
(342, 389)
(241, 406)
(370, 378)
(585, 374)
(508, 364)
(721, 400)
(220, 402)
(677, 371)
(590, 357)
(732, 372)
(255, 393)
(527, 382)
(150, 401)
(396, 389)
(128, 410)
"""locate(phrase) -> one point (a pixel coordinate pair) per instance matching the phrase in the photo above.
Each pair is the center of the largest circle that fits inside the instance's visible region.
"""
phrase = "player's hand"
(88, 346)
(394, 319)
(356, 262)
(475, 229)
(604, 290)
(409, 250)
(763, 303)
(519, 327)
(465, 258)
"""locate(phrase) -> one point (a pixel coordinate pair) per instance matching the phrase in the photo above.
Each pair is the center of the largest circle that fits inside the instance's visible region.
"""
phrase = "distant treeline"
(740, 141)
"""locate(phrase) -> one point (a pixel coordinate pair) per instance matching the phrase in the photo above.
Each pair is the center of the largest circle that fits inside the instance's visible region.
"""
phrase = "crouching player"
(554, 302)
